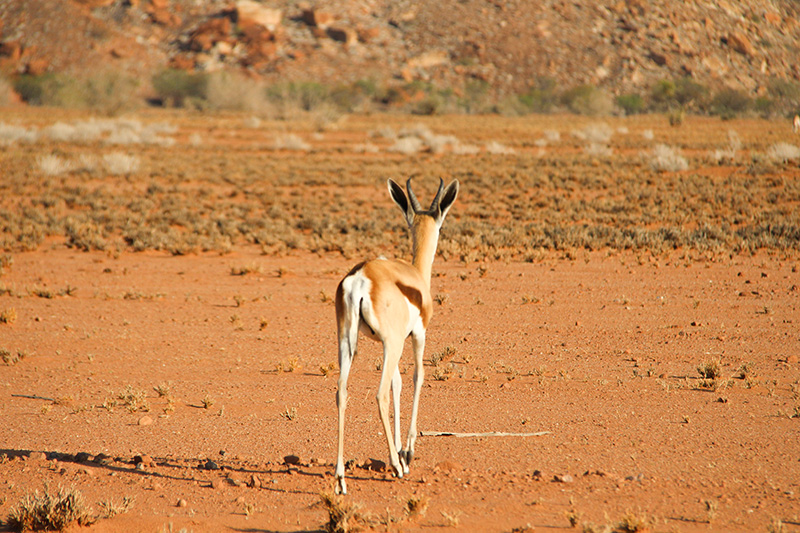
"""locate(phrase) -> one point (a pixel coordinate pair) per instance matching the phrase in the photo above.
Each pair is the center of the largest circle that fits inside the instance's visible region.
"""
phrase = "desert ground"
(616, 317)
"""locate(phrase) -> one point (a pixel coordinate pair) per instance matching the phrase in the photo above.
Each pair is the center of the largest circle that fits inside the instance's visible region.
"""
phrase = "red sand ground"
(601, 352)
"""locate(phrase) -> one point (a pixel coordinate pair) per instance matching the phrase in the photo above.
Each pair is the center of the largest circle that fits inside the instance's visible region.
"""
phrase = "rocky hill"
(620, 45)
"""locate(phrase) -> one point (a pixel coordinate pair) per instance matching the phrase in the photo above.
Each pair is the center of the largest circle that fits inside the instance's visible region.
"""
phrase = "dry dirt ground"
(176, 360)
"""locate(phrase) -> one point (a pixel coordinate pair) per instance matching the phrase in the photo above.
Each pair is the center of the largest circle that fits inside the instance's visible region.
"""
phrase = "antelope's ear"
(399, 197)
(448, 198)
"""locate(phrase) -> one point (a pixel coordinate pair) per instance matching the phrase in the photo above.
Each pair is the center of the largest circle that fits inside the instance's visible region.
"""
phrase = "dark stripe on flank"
(412, 294)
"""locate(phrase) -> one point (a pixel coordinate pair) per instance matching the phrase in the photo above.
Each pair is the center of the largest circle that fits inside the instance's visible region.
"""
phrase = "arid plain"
(625, 289)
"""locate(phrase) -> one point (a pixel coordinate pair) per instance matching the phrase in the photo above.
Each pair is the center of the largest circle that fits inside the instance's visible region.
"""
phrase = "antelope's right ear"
(399, 196)
(448, 198)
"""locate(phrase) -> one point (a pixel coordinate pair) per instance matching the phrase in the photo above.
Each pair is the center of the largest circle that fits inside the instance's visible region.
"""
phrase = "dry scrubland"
(187, 183)
(627, 286)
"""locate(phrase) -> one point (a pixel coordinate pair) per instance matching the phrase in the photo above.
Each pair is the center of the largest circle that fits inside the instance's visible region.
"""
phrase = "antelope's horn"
(411, 196)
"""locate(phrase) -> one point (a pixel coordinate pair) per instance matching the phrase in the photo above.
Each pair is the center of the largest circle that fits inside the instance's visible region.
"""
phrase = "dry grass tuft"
(343, 516)
(10, 358)
(8, 316)
(664, 158)
(783, 152)
(50, 512)
(52, 165)
(632, 523)
(120, 164)
(416, 506)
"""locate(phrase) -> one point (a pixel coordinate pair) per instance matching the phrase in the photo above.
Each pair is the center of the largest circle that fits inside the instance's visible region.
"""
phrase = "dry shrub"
(783, 152)
(343, 516)
(234, 92)
(497, 148)
(290, 141)
(664, 158)
(632, 523)
(709, 369)
(52, 165)
(50, 512)
(416, 506)
(9, 134)
(118, 163)
(407, 145)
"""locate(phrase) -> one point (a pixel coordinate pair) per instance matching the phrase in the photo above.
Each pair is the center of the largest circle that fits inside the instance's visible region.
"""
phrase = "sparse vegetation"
(667, 159)
(8, 316)
(50, 511)
(343, 516)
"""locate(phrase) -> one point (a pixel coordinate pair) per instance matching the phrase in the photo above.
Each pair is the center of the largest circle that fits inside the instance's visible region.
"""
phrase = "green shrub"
(631, 103)
(178, 88)
(37, 90)
(476, 97)
(662, 95)
(691, 95)
(235, 92)
(356, 96)
(786, 96)
(765, 107)
(541, 98)
(108, 92)
(587, 100)
(730, 103)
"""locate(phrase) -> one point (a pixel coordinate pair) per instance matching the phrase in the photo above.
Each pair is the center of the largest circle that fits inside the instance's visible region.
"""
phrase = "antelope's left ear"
(448, 198)
(399, 197)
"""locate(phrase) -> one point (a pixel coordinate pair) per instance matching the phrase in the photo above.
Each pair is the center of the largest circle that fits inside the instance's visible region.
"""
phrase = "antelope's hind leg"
(348, 341)
(418, 345)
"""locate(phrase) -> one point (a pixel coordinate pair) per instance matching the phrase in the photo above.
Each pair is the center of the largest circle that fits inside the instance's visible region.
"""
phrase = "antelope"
(388, 301)
(796, 124)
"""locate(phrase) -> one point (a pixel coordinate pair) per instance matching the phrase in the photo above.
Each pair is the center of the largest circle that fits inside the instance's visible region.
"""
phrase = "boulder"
(91, 4)
(345, 35)
(318, 19)
(740, 43)
(11, 50)
(210, 33)
(254, 12)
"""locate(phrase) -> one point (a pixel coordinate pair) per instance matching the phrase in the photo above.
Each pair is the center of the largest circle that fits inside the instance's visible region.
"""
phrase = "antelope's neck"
(425, 238)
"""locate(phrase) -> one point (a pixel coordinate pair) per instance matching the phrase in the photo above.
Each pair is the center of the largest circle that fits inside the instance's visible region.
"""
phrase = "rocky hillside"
(620, 45)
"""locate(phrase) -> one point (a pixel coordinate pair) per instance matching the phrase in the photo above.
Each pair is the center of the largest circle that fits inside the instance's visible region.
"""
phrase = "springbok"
(796, 124)
(389, 300)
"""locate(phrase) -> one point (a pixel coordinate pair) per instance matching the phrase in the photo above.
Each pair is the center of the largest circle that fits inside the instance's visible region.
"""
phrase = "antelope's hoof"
(340, 487)
(404, 460)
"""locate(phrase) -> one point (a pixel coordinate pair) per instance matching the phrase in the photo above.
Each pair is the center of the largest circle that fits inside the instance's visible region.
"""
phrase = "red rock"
(375, 465)
(740, 43)
(182, 63)
(11, 49)
(209, 33)
(773, 18)
(318, 19)
(254, 12)
(161, 16)
(367, 35)
(347, 36)
(144, 460)
(37, 67)
(291, 460)
(91, 4)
